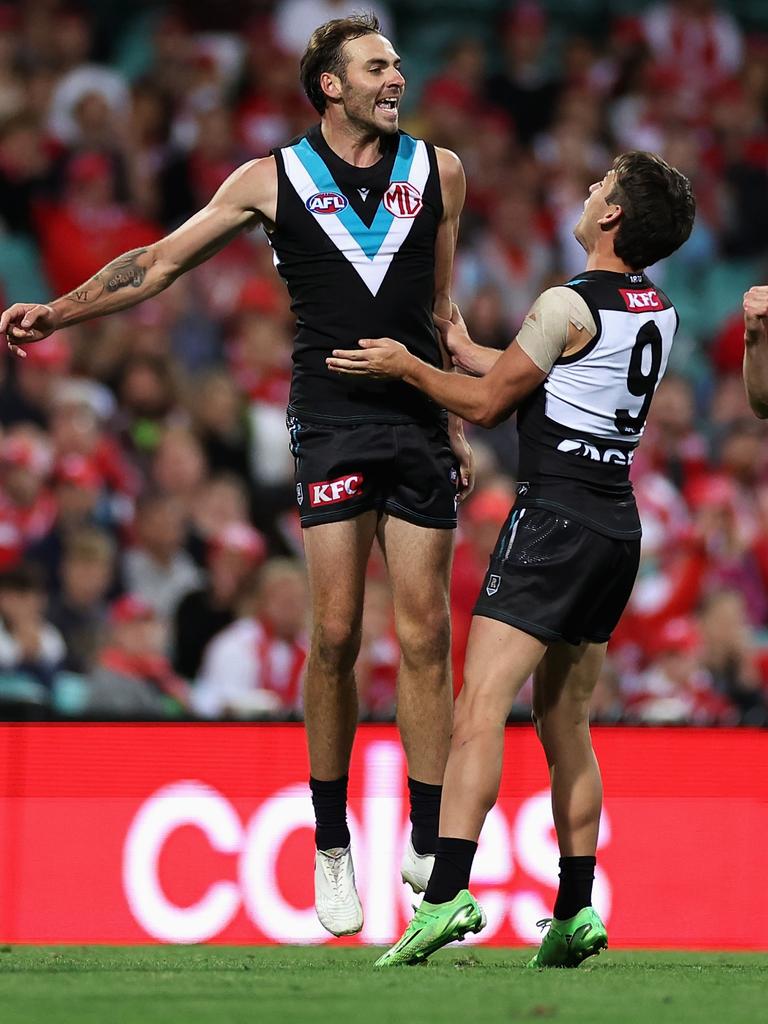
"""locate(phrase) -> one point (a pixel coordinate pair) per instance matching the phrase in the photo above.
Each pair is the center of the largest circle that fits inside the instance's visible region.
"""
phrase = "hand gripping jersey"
(579, 429)
(356, 248)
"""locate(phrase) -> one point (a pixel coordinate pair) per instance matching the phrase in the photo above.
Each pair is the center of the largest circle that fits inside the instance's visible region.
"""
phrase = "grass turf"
(206, 984)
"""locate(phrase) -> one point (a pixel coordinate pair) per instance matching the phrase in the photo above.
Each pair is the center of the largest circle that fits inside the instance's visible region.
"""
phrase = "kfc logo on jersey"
(329, 492)
(326, 202)
(403, 200)
(641, 301)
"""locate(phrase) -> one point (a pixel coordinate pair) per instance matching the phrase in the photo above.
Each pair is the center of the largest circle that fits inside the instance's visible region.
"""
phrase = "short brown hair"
(658, 208)
(324, 52)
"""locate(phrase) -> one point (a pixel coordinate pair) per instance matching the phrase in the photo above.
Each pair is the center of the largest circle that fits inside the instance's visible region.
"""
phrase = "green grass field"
(204, 984)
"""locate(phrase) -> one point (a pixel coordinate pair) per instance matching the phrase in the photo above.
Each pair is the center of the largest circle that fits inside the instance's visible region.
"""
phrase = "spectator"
(79, 611)
(156, 568)
(29, 645)
(77, 492)
(675, 688)
(133, 678)
(235, 553)
(730, 655)
(255, 666)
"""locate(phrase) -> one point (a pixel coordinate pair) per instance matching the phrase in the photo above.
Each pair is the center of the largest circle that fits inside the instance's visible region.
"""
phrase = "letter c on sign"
(170, 808)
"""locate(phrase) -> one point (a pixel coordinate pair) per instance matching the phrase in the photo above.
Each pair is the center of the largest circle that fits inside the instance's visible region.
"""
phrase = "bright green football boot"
(569, 942)
(435, 925)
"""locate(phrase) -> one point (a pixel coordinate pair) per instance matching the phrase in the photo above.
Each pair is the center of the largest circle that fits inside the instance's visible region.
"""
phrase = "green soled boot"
(569, 942)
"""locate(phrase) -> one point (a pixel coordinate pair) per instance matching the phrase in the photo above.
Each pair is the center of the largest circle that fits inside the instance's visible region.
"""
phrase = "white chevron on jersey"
(585, 394)
(371, 269)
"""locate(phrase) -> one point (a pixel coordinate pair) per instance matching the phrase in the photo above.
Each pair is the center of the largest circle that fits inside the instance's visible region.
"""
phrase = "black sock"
(425, 815)
(453, 865)
(576, 877)
(330, 802)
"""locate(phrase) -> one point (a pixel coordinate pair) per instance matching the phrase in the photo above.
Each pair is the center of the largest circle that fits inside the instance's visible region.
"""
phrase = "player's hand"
(27, 322)
(463, 452)
(756, 311)
(377, 358)
(454, 336)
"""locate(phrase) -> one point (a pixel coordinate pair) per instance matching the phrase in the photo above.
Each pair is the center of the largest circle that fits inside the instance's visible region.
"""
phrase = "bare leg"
(337, 554)
(563, 687)
(419, 564)
(499, 660)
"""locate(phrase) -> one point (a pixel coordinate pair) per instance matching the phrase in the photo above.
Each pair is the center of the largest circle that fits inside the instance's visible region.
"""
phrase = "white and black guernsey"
(579, 429)
(356, 248)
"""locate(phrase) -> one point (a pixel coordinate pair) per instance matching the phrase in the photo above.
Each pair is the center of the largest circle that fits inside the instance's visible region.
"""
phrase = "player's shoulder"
(449, 165)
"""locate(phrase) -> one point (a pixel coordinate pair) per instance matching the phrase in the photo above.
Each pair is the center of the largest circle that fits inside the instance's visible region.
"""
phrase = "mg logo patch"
(326, 202)
(403, 200)
(494, 582)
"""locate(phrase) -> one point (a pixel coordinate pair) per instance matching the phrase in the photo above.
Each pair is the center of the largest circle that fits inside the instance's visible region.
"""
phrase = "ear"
(331, 85)
(611, 218)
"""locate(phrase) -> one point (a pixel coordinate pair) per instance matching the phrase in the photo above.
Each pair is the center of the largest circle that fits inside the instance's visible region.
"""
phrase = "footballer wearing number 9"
(581, 374)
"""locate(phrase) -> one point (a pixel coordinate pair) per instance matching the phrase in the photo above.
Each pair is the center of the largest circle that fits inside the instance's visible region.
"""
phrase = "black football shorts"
(408, 470)
(557, 579)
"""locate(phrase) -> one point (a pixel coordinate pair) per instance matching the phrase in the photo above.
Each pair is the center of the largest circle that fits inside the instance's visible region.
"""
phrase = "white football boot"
(416, 868)
(336, 901)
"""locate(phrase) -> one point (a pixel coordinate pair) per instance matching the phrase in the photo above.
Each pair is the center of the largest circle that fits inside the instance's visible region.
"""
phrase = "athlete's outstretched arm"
(559, 322)
(244, 199)
(756, 349)
(483, 400)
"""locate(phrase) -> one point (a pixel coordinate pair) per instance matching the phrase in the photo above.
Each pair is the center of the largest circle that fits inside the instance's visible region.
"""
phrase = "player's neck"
(350, 144)
(608, 261)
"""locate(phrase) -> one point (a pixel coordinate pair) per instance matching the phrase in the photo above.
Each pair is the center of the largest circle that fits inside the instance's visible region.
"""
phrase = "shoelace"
(543, 923)
(334, 868)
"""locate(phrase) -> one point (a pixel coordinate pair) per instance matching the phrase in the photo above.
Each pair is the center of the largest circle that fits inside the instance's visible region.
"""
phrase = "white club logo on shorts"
(299, 493)
(494, 582)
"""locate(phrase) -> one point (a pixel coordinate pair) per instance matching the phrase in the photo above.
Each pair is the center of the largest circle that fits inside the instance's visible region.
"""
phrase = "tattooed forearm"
(88, 292)
(125, 271)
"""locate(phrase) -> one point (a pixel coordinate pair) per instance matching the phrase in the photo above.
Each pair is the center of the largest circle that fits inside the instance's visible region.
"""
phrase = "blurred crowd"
(150, 552)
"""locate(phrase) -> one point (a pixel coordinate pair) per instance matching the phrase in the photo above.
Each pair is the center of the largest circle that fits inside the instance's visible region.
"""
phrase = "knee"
(564, 722)
(335, 644)
(425, 640)
(473, 720)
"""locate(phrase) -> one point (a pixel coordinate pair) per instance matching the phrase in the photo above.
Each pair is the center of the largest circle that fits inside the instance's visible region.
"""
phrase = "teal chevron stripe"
(370, 239)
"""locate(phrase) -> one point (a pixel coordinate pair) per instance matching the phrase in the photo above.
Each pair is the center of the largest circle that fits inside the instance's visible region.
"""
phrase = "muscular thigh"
(337, 556)
(419, 565)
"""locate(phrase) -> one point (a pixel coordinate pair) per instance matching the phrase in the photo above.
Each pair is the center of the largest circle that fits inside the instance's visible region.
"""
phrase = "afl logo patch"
(326, 202)
(403, 200)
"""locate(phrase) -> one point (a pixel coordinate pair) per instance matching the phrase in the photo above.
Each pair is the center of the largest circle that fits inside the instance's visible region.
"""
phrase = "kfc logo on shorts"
(326, 202)
(330, 492)
(403, 200)
(641, 301)
(494, 582)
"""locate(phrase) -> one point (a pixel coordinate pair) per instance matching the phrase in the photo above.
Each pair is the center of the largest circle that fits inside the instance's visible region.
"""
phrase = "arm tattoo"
(89, 292)
(125, 271)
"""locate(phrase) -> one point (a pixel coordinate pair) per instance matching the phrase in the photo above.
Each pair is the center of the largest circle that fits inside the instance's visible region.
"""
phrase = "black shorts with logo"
(406, 469)
(557, 579)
